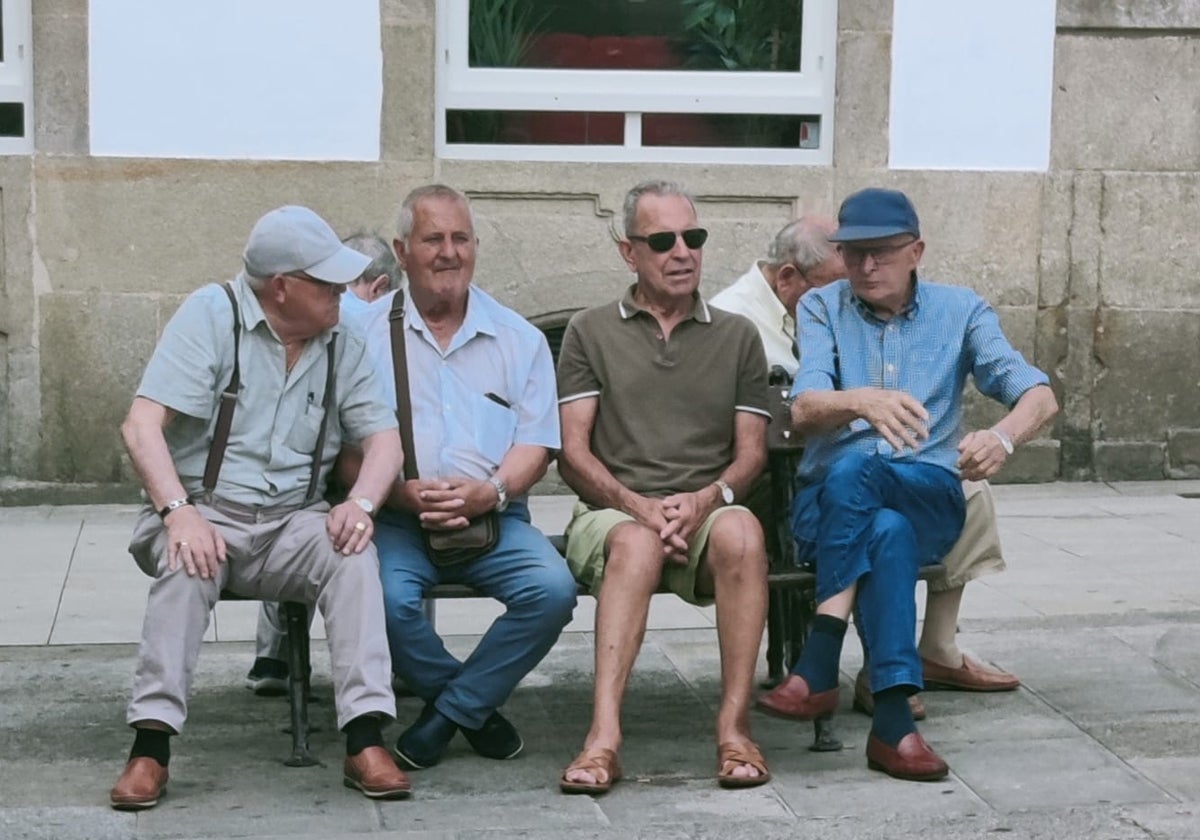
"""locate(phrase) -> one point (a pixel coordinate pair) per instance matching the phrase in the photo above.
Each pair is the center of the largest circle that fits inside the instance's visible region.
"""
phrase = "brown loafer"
(911, 759)
(140, 786)
(864, 701)
(375, 773)
(793, 699)
(973, 675)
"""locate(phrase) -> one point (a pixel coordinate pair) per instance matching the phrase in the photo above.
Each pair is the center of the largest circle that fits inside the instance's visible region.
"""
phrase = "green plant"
(501, 32)
(743, 34)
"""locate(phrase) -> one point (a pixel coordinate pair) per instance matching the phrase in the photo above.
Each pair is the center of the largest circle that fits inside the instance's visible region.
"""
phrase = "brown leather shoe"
(375, 773)
(911, 759)
(864, 701)
(972, 676)
(140, 786)
(792, 699)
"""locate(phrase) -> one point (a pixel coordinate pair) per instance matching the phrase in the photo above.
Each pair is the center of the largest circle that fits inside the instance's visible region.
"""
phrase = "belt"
(250, 513)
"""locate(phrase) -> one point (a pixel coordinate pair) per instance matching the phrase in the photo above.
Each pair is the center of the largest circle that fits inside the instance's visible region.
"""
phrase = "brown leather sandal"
(601, 763)
(730, 755)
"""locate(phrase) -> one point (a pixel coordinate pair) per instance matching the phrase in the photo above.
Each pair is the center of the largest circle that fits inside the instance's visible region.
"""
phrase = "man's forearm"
(1034, 409)
(819, 411)
(151, 458)
(381, 461)
(592, 482)
(522, 467)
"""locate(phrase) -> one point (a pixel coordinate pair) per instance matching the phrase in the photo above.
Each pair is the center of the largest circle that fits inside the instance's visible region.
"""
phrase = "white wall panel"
(971, 84)
(258, 79)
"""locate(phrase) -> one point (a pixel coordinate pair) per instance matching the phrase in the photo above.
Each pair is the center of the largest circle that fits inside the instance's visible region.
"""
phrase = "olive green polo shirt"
(665, 420)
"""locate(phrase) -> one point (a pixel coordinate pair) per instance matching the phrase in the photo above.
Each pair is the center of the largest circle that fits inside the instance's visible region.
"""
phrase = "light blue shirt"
(927, 351)
(278, 415)
(458, 431)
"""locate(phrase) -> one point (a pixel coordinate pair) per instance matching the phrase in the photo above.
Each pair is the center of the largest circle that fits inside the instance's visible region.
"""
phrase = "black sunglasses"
(664, 240)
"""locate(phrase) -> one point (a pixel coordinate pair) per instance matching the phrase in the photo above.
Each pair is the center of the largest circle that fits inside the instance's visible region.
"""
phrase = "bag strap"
(216, 450)
(326, 406)
(403, 397)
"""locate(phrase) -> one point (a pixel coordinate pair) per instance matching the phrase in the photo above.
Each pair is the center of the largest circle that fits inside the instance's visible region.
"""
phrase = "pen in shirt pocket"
(498, 400)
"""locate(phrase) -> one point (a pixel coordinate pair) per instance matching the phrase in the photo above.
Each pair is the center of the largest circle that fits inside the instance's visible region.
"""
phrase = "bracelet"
(1004, 439)
(174, 504)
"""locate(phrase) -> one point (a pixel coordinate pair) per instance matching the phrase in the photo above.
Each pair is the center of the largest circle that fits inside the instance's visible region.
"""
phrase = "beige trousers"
(977, 551)
(278, 555)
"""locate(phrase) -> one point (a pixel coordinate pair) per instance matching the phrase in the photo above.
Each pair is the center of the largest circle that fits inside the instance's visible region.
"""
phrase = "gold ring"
(360, 526)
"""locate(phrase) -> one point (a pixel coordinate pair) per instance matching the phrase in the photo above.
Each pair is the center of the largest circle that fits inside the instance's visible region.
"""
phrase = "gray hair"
(659, 188)
(383, 260)
(255, 282)
(804, 243)
(404, 223)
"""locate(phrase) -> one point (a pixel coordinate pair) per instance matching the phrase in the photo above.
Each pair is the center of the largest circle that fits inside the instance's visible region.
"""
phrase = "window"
(16, 70)
(705, 81)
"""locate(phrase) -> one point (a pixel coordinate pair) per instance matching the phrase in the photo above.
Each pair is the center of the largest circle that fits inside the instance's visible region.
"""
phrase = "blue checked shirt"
(927, 351)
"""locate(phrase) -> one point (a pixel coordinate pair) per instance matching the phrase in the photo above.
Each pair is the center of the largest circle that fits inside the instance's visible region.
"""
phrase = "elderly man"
(879, 398)
(657, 486)
(799, 258)
(268, 675)
(481, 381)
(249, 517)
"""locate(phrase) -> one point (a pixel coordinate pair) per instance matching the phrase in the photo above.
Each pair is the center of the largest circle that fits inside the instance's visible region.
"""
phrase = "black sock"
(822, 653)
(152, 743)
(362, 732)
(893, 718)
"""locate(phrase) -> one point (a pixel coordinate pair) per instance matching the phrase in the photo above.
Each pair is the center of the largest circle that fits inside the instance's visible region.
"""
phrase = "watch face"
(727, 495)
(365, 504)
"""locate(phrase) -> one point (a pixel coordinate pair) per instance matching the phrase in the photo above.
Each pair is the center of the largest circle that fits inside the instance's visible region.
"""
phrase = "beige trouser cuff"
(977, 552)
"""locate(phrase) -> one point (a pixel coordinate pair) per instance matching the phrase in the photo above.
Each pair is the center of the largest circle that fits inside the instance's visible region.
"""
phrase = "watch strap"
(174, 504)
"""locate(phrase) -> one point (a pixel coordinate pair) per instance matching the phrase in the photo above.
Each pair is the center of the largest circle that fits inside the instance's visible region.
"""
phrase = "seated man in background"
(879, 399)
(268, 675)
(257, 525)
(664, 417)
(799, 258)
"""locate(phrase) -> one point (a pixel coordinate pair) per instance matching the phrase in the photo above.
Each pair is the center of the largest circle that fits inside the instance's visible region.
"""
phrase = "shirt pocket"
(302, 437)
(495, 426)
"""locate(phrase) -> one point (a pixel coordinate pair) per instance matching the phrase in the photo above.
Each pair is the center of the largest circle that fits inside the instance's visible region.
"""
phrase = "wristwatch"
(501, 493)
(368, 507)
(726, 492)
(174, 504)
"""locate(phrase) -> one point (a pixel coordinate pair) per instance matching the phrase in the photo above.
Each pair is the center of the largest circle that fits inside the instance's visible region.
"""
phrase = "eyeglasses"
(664, 240)
(882, 254)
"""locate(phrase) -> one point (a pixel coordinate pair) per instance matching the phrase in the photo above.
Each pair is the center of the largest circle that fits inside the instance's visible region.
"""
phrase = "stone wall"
(1091, 265)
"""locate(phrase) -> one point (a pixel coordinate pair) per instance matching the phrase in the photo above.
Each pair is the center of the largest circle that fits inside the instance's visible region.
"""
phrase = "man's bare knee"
(736, 541)
(633, 548)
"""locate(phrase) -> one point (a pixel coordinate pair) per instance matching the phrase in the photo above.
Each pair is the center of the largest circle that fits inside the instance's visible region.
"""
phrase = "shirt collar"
(909, 312)
(628, 307)
(477, 321)
(765, 297)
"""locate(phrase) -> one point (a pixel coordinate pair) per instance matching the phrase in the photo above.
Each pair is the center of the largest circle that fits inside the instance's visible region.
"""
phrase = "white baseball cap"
(295, 238)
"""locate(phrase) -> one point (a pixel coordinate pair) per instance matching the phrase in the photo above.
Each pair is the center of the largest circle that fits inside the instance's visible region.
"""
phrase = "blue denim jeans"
(876, 521)
(523, 572)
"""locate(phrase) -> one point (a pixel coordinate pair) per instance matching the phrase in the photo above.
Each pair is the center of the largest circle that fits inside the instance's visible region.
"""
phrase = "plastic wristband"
(1004, 439)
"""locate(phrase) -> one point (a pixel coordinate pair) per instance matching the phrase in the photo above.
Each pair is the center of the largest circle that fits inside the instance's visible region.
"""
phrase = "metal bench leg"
(824, 737)
(776, 636)
(296, 616)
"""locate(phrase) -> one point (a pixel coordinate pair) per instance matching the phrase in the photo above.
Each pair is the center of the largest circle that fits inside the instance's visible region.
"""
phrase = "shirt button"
(891, 368)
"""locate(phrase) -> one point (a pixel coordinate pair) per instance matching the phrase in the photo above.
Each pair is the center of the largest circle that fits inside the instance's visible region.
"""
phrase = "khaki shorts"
(587, 534)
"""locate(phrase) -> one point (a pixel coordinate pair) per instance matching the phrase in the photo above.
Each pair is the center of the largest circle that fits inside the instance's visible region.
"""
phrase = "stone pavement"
(1099, 614)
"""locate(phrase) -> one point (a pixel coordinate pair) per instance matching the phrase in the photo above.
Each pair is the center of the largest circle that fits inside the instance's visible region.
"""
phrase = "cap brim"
(345, 266)
(857, 233)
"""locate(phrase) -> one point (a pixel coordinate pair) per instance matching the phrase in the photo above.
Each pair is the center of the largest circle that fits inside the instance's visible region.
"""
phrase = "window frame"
(635, 92)
(16, 70)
